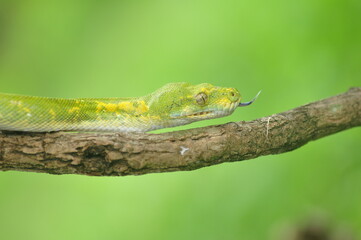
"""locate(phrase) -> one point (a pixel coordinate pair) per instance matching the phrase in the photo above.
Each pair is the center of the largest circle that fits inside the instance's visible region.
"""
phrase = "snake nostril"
(233, 95)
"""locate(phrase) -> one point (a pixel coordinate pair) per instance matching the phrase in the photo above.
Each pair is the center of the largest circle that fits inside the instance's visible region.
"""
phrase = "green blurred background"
(295, 51)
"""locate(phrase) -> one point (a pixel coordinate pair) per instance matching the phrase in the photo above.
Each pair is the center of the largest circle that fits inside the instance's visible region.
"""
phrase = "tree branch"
(109, 154)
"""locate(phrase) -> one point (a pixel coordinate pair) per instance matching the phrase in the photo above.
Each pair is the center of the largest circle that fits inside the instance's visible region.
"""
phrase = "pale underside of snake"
(172, 105)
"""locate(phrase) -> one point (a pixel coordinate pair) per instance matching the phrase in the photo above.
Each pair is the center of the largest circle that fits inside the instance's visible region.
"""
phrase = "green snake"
(172, 105)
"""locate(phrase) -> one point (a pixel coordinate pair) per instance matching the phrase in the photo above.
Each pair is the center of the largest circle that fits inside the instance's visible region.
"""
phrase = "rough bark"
(113, 154)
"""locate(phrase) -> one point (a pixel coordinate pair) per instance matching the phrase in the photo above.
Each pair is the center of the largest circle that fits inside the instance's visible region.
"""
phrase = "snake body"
(174, 104)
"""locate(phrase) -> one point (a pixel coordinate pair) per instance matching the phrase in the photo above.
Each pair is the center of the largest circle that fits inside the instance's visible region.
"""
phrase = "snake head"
(183, 103)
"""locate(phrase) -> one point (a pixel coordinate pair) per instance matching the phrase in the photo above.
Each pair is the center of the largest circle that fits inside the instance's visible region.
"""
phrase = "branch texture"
(114, 154)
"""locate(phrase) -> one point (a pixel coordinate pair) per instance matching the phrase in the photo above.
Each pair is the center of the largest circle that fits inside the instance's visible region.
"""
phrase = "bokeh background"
(295, 51)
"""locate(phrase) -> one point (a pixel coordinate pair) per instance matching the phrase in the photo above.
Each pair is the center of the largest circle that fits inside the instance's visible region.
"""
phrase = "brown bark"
(112, 154)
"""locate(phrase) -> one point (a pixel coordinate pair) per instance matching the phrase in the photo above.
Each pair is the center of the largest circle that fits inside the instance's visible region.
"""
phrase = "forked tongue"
(250, 102)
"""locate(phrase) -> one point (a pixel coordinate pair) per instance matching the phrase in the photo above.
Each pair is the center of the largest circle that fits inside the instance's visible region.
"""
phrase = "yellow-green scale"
(27, 113)
(174, 104)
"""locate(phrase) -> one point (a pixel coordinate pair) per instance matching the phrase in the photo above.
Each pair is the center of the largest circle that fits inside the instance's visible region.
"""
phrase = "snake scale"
(172, 105)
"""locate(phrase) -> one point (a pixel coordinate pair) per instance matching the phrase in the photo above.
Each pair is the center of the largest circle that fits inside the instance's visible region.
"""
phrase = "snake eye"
(201, 98)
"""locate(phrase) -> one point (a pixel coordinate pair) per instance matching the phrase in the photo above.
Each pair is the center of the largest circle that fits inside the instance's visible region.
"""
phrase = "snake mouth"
(208, 113)
(214, 112)
(199, 114)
